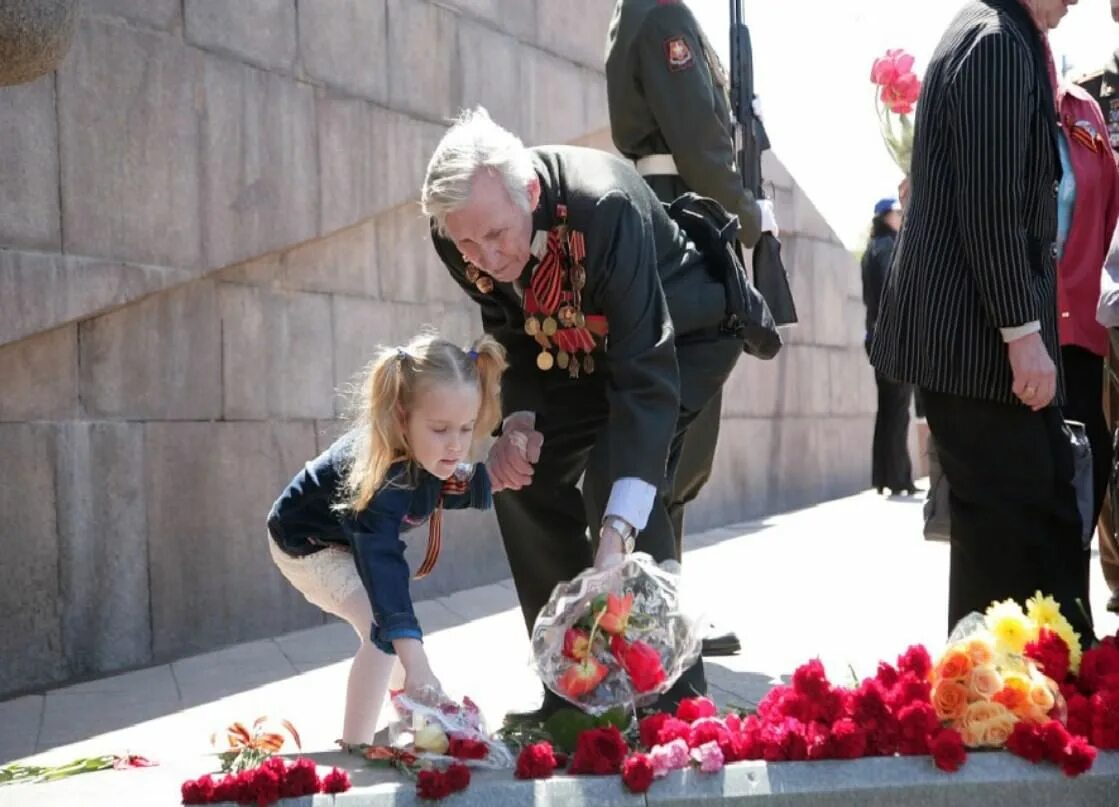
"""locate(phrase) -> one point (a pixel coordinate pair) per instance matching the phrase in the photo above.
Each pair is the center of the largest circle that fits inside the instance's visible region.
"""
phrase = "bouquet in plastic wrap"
(615, 637)
(446, 731)
(988, 679)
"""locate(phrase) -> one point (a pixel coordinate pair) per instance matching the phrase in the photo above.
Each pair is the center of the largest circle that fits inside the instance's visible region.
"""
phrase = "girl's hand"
(420, 683)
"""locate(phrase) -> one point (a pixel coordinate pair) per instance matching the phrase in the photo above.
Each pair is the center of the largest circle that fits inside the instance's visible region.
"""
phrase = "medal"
(485, 284)
(545, 361)
(532, 326)
(472, 273)
(567, 316)
(549, 327)
(580, 320)
(573, 369)
(562, 359)
(588, 364)
(578, 277)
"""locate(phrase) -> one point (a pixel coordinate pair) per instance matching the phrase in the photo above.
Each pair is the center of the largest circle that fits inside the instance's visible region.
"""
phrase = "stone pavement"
(850, 581)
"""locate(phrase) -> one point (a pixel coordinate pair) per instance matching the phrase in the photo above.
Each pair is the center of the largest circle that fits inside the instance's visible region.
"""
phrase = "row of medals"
(569, 317)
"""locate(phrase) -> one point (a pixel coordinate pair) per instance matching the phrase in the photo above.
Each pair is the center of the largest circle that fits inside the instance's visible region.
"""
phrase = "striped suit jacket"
(977, 251)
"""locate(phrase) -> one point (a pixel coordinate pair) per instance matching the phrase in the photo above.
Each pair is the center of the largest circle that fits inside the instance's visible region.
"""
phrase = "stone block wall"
(208, 221)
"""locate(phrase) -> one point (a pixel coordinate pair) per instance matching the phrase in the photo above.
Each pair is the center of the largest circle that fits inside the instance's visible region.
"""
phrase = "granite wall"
(208, 221)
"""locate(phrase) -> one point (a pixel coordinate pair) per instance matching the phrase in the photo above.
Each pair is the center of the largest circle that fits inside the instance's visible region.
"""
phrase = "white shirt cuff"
(631, 499)
(769, 217)
(1018, 331)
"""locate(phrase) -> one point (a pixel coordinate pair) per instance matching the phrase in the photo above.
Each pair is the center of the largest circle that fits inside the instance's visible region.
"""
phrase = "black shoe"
(726, 644)
(1113, 603)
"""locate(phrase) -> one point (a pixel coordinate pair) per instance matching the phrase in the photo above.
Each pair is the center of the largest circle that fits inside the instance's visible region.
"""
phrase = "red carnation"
(786, 741)
(262, 784)
(637, 773)
(916, 660)
(1056, 739)
(337, 781)
(536, 761)
(230, 788)
(1104, 709)
(464, 748)
(1079, 720)
(909, 689)
(301, 779)
(692, 709)
(649, 727)
(810, 681)
(848, 739)
(1078, 758)
(917, 724)
(887, 675)
(818, 738)
(711, 730)
(750, 742)
(1051, 654)
(432, 784)
(781, 702)
(1025, 741)
(641, 663)
(1098, 664)
(198, 791)
(673, 729)
(599, 751)
(457, 776)
(948, 750)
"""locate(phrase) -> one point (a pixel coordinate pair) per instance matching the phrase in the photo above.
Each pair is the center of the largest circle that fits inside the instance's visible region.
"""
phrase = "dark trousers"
(544, 526)
(1015, 528)
(1084, 403)
(697, 455)
(891, 466)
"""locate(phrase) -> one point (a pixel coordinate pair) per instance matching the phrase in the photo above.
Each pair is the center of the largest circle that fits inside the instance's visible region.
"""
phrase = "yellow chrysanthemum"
(1009, 626)
(1043, 611)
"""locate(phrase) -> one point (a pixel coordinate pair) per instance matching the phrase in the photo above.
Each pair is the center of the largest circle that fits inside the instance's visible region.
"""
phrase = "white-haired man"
(614, 327)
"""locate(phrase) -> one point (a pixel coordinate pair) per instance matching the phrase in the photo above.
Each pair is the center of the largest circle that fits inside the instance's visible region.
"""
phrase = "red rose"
(917, 723)
(1078, 758)
(301, 779)
(649, 727)
(458, 777)
(536, 761)
(810, 681)
(1025, 741)
(337, 781)
(1051, 654)
(673, 729)
(637, 773)
(916, 660)
(848, 739)
(641, 663)
(599, 751)
(465, 748)
(948, 750)
(198, 791)
(692, 709)
(887, 675)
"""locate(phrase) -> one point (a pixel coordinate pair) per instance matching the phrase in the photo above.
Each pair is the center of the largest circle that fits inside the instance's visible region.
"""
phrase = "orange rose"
(985, 682)
(1013, 699)
(1041, 696)
(972, 735)
(980, 649)
(955, 664)
(982, 712)
(998, 731)
(949, 698)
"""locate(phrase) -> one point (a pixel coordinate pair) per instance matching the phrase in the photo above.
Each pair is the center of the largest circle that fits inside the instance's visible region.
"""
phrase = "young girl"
(336, 530)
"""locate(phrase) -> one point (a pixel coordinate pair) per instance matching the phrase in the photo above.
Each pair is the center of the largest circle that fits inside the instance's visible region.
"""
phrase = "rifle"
(751, 140)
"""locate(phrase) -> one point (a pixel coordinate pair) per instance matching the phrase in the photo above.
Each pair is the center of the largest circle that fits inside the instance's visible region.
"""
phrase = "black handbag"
(714, 231)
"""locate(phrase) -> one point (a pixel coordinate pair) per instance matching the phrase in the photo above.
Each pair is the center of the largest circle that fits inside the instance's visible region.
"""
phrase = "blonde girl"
(336, 531)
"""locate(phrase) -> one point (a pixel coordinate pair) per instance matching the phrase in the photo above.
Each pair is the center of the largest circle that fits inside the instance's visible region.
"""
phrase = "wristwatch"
(624, 529)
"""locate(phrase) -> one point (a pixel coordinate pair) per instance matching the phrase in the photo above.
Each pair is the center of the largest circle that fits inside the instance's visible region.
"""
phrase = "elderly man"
(614, 327)
(969, 313)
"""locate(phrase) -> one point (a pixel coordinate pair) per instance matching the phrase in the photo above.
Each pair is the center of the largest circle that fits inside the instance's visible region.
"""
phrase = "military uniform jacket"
(645, 285)
(667, 94)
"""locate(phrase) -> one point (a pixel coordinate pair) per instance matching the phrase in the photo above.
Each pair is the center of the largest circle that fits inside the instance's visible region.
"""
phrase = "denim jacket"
(302, 521)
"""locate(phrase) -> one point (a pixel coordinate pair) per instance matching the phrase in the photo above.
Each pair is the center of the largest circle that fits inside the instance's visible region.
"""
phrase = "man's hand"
(611, 549)
(1035, 375)
(514, 453)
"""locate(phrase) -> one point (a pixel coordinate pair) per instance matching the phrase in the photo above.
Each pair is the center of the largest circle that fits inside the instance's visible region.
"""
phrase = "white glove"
(769, 217)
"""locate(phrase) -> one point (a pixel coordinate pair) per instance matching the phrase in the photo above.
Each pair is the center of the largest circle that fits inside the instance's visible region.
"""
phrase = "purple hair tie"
(473, 354)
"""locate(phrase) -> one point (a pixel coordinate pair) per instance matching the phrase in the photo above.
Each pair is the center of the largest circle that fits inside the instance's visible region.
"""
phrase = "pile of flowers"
(265, 784)
(620, 648)
(898, 89)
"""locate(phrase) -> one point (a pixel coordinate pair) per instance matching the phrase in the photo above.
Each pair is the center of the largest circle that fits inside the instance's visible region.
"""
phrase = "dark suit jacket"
(978, 248)
(643, 275)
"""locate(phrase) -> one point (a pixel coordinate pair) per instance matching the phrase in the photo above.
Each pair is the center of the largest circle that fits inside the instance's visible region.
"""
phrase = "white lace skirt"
(327, 578)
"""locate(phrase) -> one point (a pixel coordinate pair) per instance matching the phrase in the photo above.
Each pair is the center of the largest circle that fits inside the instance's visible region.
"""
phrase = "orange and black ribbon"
(435, 526)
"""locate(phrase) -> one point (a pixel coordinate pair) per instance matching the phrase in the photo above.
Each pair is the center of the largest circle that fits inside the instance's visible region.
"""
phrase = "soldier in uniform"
(1103, 86)
(670, 114)
(611, 320)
